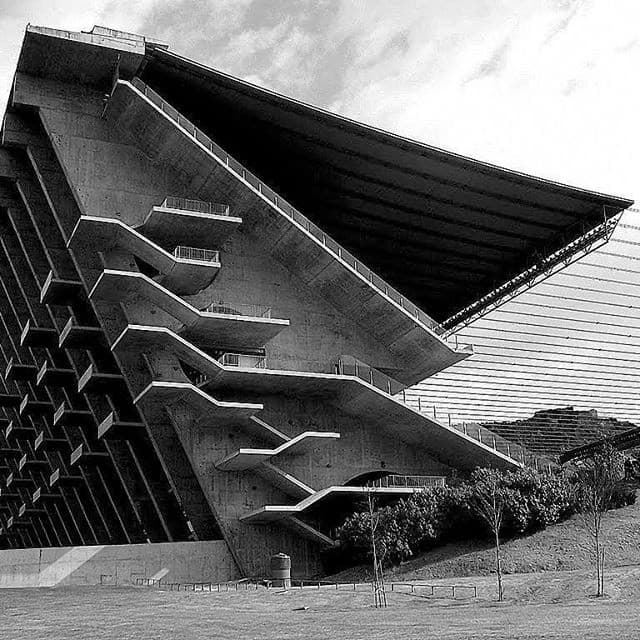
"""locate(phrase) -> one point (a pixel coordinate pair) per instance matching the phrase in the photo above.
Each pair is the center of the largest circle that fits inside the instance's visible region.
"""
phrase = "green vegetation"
(440, 515)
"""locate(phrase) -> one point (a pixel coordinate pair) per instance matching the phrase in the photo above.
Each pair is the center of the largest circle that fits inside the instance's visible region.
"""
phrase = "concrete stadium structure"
(211, 302)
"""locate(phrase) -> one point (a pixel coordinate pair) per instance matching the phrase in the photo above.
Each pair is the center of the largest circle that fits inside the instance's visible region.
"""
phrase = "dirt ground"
(544, 605)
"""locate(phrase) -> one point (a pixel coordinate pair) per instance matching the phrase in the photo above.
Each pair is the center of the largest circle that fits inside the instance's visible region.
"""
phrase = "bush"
(439, 515)
(623, 495)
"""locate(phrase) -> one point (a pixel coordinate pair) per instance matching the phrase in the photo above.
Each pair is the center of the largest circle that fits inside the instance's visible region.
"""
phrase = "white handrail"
(233, 309)
(196, 254)
(244, 361)
(199, 206)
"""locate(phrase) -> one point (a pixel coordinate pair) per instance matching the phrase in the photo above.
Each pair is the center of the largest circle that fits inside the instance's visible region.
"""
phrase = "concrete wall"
(117, 564)
(114, 179)
(359, 450)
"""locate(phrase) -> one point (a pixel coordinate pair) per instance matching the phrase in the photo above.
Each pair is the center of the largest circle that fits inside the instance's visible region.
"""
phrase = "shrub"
(441, 514)
(623, 495)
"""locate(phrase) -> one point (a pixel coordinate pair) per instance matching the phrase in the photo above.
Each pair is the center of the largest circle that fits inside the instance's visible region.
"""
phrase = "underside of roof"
(443, 229)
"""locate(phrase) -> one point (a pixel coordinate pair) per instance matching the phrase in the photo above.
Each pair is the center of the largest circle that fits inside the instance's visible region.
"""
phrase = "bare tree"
(488, 499)
(598, 477)
(379, 593)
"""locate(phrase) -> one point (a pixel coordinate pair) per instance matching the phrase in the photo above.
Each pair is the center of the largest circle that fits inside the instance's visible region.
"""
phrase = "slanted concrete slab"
(34, 407)
(243, 459)
(180, 275)
(86, 457)
(17, 431)
(288, 235)
(75, 336)
(92, 380)
(200, 327)
(55, 376)
(66, 416)
(274, 513)
(44, 443)
(59, 478)
(171, 227)
(207, 408)
(348, 393)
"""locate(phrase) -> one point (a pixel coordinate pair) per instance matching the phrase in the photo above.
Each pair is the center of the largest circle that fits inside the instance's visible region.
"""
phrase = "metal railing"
(411, 482)
(244, 361)
(350, 366)
(196, 254)
(496, 442)
(200, 378)
(479, 433)
(283, 206)
(257, 583)
(245, 310)
(195, 376)
(198, 206)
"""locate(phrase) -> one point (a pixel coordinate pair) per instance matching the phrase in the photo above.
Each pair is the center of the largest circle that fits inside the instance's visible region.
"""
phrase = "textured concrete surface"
(116, 564)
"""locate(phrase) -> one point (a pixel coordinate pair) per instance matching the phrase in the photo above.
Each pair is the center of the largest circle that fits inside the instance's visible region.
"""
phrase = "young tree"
(379, 593)
(488, 499)
(597, 480)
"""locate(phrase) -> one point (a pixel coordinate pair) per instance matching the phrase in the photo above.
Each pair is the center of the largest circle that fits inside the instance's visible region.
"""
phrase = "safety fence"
(244, 310)
(197, 206)
(244, 361)
(196, 254)
(418, 482)
(453, 591)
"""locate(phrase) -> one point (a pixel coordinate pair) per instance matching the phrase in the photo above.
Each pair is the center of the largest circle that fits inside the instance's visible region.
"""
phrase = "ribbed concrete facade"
(187, 356)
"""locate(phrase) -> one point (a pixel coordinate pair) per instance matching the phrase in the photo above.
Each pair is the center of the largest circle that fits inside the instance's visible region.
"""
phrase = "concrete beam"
(200, 327)
(172, 227)
(243, 459)
(274, 513)
(207, 409)
(180, 275)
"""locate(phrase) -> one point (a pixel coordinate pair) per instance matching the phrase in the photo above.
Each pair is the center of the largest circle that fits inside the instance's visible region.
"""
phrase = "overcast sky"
(544, 86)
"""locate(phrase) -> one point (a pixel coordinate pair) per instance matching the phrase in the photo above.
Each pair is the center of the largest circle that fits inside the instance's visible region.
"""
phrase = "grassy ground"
(562, 547)
(552, 605)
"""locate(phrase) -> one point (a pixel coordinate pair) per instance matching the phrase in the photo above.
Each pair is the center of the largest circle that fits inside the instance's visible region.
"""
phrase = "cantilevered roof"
(445, 230)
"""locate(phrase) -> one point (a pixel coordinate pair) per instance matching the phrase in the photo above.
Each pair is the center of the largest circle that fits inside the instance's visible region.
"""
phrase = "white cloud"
(546, 88)
(542, 86)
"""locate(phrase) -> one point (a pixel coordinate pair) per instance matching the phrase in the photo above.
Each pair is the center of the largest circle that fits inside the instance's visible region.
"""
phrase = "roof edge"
(388, 137)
